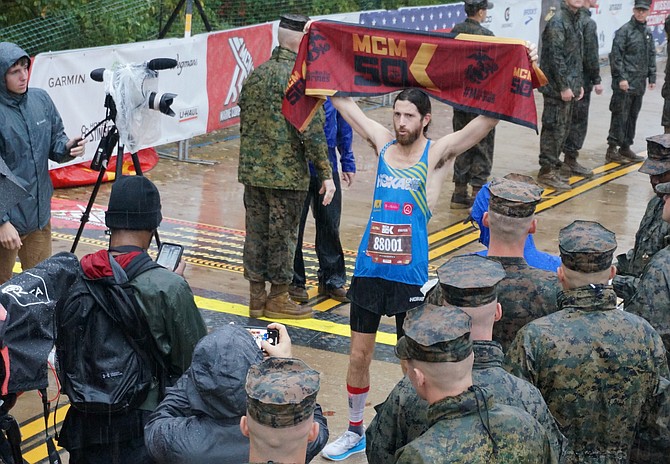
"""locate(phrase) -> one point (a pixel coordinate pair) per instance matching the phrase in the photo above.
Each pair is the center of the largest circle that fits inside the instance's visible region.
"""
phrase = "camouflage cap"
(281, 392)
(435, 334)
(470, 280)
(586, 246)
(658, 155)
(663, 188)
(293, 22)
(644, 4)
(514, 197)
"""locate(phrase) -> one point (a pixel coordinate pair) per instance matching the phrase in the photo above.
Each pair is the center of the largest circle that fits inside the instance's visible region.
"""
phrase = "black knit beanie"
(134, 204)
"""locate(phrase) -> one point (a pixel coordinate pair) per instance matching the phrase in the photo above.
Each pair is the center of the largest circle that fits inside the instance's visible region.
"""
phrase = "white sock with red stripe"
(357, 397)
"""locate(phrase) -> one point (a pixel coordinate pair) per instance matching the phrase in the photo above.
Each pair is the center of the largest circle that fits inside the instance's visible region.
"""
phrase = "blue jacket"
(339, 136)
(31, 134)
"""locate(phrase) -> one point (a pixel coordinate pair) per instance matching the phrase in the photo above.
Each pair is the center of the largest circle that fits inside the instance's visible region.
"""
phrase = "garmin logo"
(63, 81)
(244, 65)
(181, 64)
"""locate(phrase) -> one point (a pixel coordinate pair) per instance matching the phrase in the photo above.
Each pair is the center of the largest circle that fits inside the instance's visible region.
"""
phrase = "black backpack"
(107, 360)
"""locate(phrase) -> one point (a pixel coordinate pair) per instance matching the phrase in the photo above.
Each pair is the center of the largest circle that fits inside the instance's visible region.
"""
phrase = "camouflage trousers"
(474, 165)
(625, 108)
(665, 118)
(579, 123)
(556, 118)
(272, 219)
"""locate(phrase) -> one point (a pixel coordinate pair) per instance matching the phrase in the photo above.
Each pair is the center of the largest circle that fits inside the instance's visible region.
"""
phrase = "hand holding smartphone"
(169, 255)
(263, 333)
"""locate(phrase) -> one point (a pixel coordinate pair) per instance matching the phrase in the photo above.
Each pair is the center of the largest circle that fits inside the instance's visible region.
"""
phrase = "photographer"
(199, 419)
(31, 134)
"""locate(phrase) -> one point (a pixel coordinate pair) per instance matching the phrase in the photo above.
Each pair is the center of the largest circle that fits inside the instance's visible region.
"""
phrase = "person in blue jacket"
(332, 274)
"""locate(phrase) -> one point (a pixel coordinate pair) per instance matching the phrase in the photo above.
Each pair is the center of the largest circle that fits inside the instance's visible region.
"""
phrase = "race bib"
(390, 243)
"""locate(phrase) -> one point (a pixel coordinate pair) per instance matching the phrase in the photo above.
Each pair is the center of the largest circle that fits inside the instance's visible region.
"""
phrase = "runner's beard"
(408, 138)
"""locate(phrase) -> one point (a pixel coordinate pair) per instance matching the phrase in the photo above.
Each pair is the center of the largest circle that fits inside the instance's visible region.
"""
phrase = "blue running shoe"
(347, 444)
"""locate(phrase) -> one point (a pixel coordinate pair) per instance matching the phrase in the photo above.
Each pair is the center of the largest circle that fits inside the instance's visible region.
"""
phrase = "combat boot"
(298, 294)
(551, 178)
(280, 306)
(571, 166)
(257, 299)
(613, 156)
(460, 198)
(629, 155)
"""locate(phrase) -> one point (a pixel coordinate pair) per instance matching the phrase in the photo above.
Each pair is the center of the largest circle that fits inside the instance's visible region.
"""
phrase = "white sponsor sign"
(80, 100)
(518, 19)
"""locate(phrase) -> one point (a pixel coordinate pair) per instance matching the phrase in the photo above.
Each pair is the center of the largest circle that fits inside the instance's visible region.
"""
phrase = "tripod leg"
(87, 212)
(136, 163)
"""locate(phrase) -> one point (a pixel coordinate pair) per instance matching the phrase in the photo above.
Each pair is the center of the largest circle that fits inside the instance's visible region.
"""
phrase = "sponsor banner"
(231, 56)
(610, 15)
(487, 76)
(519, 19)
(660, 9)
(80, 100)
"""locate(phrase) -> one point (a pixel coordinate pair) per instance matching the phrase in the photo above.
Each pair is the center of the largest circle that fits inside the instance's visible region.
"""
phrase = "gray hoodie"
(31, 133)
(199, 419)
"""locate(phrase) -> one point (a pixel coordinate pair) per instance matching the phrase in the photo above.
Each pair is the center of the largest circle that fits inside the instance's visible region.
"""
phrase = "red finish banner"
(231, 56)
(484, 75)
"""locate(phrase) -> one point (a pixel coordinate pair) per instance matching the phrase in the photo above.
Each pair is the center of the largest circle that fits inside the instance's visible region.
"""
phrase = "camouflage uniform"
(273, 169)
(665, 91)
(633, 58)
(652, 297)
(403, 416)
(526, 293)
(651, 237)
(474, 165)
(653, 233)
(597, 367)
(562, 63)
(457, 434)
(580, 108)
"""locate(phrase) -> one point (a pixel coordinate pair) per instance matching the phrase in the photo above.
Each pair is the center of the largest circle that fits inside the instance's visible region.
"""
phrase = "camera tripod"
(108, 142)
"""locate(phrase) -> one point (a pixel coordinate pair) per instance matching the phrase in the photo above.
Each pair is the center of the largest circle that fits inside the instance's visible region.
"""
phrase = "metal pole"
(189, 17)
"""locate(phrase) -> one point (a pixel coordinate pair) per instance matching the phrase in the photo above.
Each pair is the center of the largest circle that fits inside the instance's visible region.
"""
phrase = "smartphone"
(169, 255)
(263, 333)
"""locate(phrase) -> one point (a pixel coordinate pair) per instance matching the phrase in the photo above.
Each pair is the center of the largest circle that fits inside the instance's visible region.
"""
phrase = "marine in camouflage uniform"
(404, 415)
(473, 166)
(470, 281)
(665, 91)
(652, 297)
(466, 426)
(654, 233)
(597, 367)
(525, 293)
(579, 121)
(633, 62)
(281, 394)
(273, 168)
(561, 60)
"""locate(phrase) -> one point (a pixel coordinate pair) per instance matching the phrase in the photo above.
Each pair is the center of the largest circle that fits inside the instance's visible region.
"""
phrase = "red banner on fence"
(231, 56)
(486, 75)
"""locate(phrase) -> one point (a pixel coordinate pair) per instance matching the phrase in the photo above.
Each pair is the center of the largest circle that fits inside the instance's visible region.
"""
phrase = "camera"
(133, 101)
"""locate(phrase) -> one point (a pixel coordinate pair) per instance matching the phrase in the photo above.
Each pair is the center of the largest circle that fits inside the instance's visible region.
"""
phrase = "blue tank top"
(395, 243)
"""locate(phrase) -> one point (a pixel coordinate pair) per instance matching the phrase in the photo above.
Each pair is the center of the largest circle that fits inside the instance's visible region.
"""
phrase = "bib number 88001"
(385, 244)
(390, 243)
